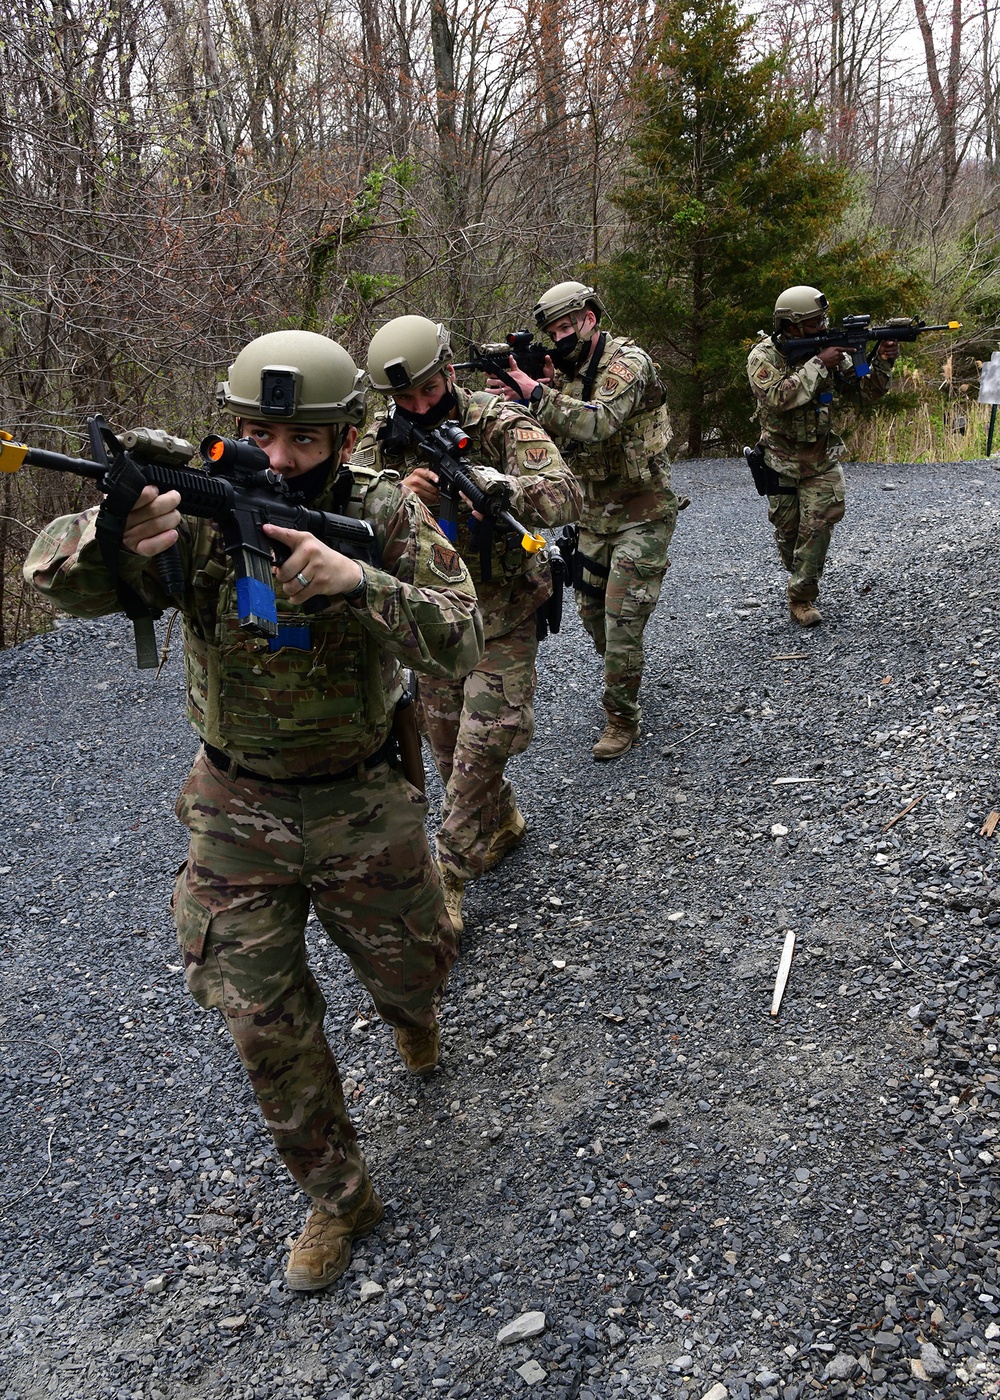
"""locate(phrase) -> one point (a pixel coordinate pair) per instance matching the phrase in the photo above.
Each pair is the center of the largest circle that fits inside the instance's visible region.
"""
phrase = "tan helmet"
(564, 298)
(407, 352)
(294, 377)
(798, 304)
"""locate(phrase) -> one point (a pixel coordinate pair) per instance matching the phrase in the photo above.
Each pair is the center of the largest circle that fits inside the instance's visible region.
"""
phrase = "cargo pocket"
(518, 685)
(193, 922)
(836, 490)
(429, 949)
(643, 589)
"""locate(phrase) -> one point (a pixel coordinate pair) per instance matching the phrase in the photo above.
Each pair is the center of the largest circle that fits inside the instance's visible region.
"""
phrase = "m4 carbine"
(854, 336)
(485, 489)
(493, 358)
(235, 488)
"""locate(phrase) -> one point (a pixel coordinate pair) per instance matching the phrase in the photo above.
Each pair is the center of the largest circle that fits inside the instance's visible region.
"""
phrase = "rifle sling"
(343, 485)
(123, 485)
(590, 374)
(505, 378)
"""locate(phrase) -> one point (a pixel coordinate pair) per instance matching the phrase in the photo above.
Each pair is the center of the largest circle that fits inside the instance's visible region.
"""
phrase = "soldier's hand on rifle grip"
(832, 355)
(888, 350)
(152, 523)
(424, 484)
(525, 383)
(327, 572)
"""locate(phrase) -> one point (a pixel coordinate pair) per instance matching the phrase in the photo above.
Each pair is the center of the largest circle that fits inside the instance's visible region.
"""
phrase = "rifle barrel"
(57, 462)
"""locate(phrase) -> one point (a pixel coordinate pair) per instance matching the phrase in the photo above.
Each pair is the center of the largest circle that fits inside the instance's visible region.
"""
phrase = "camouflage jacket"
(794, 407)
(543, 492)
(320, 695)
(616, 440)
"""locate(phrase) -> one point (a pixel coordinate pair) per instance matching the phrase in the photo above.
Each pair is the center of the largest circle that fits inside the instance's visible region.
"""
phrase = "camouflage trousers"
(473, 726)
(259, 853)
(621, 602)
(803, 525)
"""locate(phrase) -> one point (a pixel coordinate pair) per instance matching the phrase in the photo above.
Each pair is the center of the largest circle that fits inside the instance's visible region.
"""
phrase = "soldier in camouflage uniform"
(293, 798)
(605, 406)
(793, 407)
(475, 722)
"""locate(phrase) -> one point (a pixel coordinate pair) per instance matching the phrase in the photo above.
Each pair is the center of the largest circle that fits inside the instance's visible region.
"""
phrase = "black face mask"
(567, 351)
(311, 483)
(446, 407)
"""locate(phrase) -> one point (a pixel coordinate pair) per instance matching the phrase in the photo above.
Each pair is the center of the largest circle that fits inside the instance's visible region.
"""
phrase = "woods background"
(181, 175)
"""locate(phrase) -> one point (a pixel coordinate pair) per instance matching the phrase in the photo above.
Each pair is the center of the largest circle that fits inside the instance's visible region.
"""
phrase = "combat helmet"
(563, 298)
(407, 352)
(798, 304)
(294, 377)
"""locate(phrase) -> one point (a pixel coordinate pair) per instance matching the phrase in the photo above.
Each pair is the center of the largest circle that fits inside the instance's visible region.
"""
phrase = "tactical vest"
(319, 682)
(803, 426)
(632, 452)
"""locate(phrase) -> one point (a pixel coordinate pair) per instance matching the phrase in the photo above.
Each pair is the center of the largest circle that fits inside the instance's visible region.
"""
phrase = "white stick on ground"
(784, 967)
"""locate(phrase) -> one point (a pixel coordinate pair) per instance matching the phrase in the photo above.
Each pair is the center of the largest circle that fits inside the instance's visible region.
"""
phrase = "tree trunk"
(944, 94)
(443, 47)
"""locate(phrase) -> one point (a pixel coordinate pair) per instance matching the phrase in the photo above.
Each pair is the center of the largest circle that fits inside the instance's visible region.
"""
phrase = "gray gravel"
(700, 1199)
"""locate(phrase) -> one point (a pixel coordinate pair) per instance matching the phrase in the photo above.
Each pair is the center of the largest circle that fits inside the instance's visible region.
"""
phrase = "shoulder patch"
(446, 562)
(531, 435)
(763, 374)
(537, 456)
(622, 370)
(610, 387)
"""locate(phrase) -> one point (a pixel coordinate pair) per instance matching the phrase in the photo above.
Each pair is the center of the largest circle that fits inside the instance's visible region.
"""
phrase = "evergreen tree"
(726, 206)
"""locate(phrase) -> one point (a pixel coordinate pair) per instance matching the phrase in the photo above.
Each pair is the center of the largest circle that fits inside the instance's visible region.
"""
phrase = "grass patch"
(920, 421)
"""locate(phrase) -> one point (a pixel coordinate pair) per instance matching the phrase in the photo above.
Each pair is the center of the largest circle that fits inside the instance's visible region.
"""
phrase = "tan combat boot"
(805, 614)
(323, 1251)
(618, 737)
(419, 1048)
(454, 892)
(504, 839)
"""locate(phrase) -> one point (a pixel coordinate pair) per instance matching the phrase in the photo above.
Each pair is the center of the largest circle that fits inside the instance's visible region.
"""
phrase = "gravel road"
(701, 1199)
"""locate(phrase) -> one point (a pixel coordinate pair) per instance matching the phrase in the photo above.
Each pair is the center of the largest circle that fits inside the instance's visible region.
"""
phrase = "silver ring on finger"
(303, 580)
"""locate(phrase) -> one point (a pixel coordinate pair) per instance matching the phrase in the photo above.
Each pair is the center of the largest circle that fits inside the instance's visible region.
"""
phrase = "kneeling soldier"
(293, 797)
(476, 722)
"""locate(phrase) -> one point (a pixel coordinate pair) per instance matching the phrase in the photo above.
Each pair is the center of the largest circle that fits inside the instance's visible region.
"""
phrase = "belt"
(230, 769)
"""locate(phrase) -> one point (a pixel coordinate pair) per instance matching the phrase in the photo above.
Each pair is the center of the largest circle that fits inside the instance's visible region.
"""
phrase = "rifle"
(854, 335)
(493, 358)
(486, 490)
(235, 488)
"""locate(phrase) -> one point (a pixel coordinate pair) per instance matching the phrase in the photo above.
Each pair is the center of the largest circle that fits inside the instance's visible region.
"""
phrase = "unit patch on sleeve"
(624, 371)
(446, 563)
(537, 456)
(530, 435)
